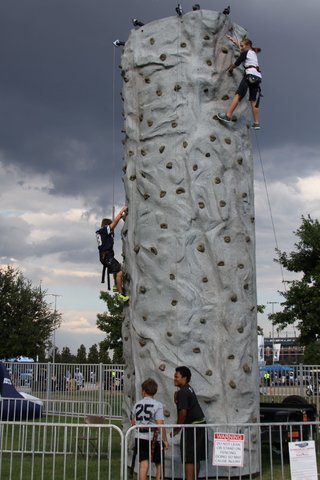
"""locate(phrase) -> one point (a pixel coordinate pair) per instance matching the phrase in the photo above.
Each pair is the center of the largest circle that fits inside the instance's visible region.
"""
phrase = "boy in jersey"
(148, 411)
(105, 239)
(189, 411)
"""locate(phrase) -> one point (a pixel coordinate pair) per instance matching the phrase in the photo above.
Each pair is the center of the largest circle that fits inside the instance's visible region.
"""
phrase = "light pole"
(54, 331)
(272, 307)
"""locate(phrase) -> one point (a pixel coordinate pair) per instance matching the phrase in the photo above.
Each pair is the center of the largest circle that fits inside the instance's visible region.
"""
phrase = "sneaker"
(114, 288)
(256, 126)
(123, 298)
(223, 117)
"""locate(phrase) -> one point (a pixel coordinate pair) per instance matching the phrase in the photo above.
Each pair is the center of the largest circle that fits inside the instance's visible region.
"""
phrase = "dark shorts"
(253, 89)
(145, 451)
(112, 264)
(193, 453)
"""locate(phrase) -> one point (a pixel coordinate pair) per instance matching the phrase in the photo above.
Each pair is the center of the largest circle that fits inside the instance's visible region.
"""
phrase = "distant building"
(286, 350)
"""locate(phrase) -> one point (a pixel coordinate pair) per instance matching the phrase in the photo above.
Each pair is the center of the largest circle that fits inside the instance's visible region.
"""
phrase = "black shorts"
(253, 89)
(111, 263)
(145, 451)
(190, 454)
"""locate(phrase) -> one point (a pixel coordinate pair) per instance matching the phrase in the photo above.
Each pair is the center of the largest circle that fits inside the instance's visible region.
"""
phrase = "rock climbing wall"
(189, 240)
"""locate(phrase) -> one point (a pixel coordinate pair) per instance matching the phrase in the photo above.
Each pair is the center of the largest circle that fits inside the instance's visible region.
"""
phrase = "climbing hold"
(169, 165)
(213, 138)
(177, 88)
(163, 226)
(222, 203)
(227, 239)
(185, 144)
(132, 177)
(125, 79)
(209, 63)
(166, 413)
(224, 50)
(231, 357)
(232, 384)
(159, 92)
(244, 195)
(163, 193)
(136, 249)
(205, 90)
(201, 248)
(217, 180)
(142, 342)
(201, 204)
(174, 303)
(234, 298)
(152, 40)
(252, 308)
(246, 368)
(150, 123)
(125, 232)
(196, 350)
(180, 190)
(174, 124)
(124, 169)
(143, 153)
(142, 289)
(126, 339)
(195, 168)
(161, 149)
(241, 266)
(154, 251)
(227, 141)
(206, 37)
(131, 153)
(141, 117)
(144, 318)
(252, 219)
(183, 45)
(246, 286)
(225, 97)
(203, 320)
(162, 367)
(169, 334)
(147, 80)
(254, 438)
(209, 373)
(205, 280)
(163, 56)
(240, 329)
(146, 196)
(240, 160)
(221, 264)
(248, 239)
(143, 174)
(208, 155)
(172, 276)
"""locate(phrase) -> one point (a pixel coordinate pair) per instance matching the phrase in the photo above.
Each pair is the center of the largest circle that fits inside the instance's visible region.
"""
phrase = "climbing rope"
(113, 133)
(269, 206)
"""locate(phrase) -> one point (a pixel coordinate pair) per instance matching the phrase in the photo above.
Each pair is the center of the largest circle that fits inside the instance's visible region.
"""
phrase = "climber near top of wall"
(105, 239)
(251, 80)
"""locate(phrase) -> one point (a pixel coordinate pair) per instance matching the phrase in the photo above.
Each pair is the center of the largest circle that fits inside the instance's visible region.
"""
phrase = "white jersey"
(145, 412)
(252, 60)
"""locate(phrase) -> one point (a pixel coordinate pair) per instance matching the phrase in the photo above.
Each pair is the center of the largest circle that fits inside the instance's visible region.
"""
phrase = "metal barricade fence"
(93, 449)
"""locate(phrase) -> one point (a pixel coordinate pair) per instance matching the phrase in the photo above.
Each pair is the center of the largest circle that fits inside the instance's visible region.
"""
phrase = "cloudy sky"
(60, 138)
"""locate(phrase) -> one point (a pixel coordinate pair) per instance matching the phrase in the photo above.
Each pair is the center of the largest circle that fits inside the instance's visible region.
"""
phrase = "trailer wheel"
(294, 400)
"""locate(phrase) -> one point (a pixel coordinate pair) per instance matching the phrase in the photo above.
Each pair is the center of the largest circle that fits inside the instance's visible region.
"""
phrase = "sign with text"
(303, 464)
(228, 449)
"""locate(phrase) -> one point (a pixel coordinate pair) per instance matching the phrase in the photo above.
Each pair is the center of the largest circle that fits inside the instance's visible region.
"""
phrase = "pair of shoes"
(223, 117)
(256, 126)
(114, 288)
(123, 298)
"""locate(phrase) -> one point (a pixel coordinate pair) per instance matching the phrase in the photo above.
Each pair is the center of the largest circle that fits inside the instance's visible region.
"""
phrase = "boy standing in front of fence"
(146, 412)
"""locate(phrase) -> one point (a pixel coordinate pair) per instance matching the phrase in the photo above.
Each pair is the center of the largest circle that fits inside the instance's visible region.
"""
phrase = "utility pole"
(54, 331)
(272, 310)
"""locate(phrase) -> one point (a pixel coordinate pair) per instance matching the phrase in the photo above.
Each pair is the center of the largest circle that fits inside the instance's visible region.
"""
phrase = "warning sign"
(228, 449)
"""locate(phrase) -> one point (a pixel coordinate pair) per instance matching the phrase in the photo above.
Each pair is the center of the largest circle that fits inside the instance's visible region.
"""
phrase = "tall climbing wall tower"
(189, 239)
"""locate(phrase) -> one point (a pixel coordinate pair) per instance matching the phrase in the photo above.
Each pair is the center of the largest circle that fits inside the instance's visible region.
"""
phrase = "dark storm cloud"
(56, 84)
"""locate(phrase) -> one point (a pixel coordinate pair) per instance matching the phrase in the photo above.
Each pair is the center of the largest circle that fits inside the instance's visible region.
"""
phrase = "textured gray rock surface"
(189, 240)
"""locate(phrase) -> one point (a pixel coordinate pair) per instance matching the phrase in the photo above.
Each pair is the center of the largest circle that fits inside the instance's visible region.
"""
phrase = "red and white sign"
(228, 449)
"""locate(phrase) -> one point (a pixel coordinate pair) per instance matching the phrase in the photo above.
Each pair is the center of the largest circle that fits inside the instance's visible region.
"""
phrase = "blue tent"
(13, 406)
(276, 367)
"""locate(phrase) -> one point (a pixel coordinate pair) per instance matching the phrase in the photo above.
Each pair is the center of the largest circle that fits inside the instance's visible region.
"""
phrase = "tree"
(302, 299)
(93, 355)
(26, 319)
(66, 356)
(81, 354)
(110, 322)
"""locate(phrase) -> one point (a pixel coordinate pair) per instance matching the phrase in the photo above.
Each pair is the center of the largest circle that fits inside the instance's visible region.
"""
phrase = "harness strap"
(253, 66)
